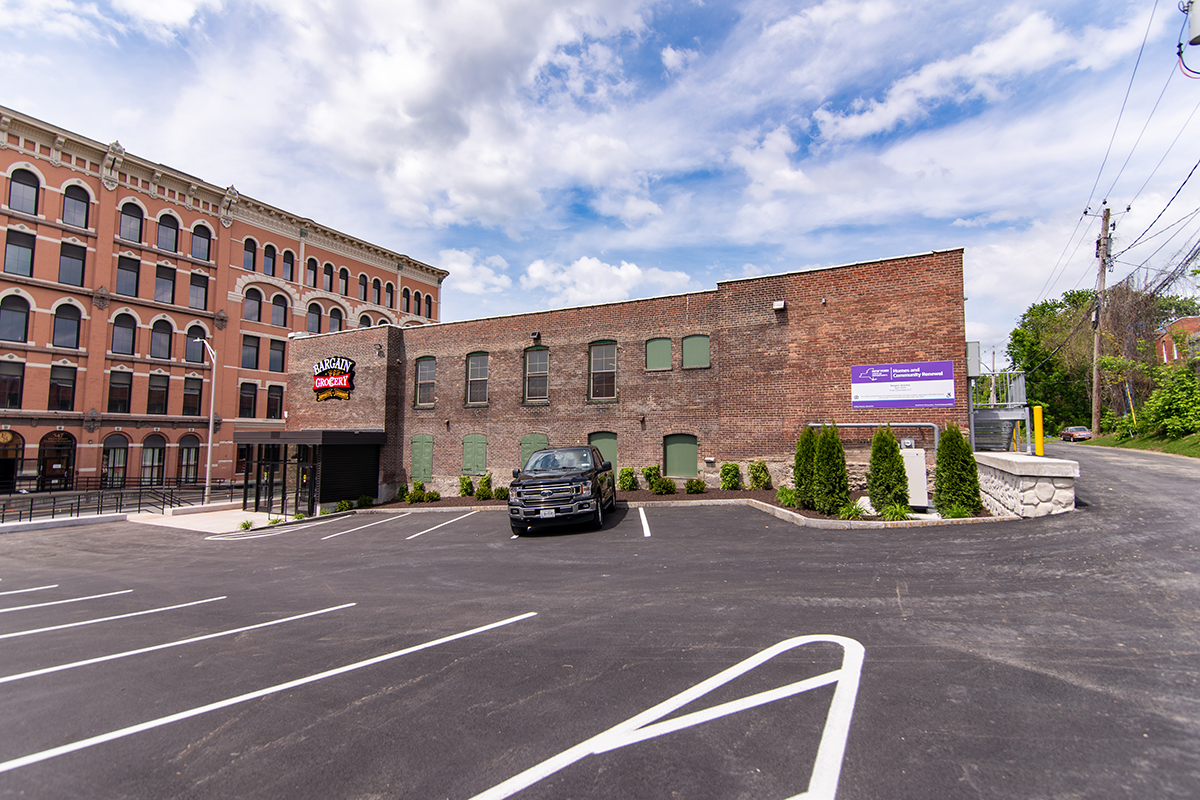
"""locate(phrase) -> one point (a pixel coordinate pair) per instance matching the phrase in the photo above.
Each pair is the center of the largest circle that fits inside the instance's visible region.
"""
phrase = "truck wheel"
(519, 530)
(598, 517)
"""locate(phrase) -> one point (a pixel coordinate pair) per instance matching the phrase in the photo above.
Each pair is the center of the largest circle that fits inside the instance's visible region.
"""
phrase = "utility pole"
(1102, 253)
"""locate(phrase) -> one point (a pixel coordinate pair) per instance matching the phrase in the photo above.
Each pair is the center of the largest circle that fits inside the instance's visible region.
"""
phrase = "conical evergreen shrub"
(802, 470)
(956, 476)
(831, 484)
(887, 482)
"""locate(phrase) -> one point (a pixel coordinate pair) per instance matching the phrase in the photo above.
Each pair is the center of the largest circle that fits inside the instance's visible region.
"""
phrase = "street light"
(212, 406)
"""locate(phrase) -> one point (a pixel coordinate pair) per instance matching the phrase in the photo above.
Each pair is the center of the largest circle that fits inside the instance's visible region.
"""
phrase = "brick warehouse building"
(685, 381)
(113, 265)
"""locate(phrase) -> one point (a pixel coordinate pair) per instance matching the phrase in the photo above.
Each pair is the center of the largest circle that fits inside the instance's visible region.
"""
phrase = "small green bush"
(344, 505)
(887, 481)
(956, 476)
(245, 524)
(785, 496)
(651, 474)
(627, 480)
(831, 483)
(694, 486)
(416, 496)
(484, 490)
(325, 511)
(955, 511)
(802, 470)
(300, 515)
(418, 486)
(500, 493)
(465, 487)
(366, 501)
(731, 476)
(850, 510)
(663, 486)
(760, 476)
(402, 493)
(895, 513)
(432, 497)
(275, 521)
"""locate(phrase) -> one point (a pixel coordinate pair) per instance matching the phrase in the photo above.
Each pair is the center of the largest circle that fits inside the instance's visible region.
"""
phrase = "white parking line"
(108, 619)
(827, 766)
(645, 524)
(238, 536)
(82, 744)
(435, 527)
(152, 648)
(60, 602)
(34, 589)
(361, 527)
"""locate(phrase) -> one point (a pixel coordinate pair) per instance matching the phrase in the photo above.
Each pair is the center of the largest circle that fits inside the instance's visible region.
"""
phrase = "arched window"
(268, 260)
(189, 458)
(14, 319)
(362, 287)
(76, 203)
(344, 282)
(23, 188)
(429, 306)
(66, 326)
(364, 321)
(328, 277)
(112, 465)
(160, 339)
(375, 291)
(279, 310)
(416, 303)
(168, 233)
(314, 318)
(390, 294)
(310, 273)
(131, 222)
(405, 297)
(252, 305)
(154, 459)
(194, 351)
(201, 242)
(249, 254)
(335, 320)
(289, 265)
(124, 334)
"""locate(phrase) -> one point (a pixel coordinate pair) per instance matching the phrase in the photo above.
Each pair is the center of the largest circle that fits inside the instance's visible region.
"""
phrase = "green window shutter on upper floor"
(658, 354)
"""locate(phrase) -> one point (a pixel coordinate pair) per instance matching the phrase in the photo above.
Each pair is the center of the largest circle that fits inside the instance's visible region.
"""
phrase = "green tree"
(1052, 345)
(802, 470)
(830, 482)
(1173, 408)
(956, 475)
(887, 481)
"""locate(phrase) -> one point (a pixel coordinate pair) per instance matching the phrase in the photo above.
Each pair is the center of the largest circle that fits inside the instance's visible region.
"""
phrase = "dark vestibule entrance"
(290, 472)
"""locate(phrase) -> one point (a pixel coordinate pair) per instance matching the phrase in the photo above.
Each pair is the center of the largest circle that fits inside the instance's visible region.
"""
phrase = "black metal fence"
(25, 506)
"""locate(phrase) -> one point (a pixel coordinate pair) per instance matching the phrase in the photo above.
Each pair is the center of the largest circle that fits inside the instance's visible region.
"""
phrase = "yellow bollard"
(1039, 446)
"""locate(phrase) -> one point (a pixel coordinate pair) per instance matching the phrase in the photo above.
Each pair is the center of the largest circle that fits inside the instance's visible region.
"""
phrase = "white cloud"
(769, 167)
(163, 18)
(474, 277)
(590, 280)
(676, 60)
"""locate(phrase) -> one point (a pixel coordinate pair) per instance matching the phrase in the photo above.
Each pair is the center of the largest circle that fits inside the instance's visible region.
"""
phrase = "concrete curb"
(61, 522)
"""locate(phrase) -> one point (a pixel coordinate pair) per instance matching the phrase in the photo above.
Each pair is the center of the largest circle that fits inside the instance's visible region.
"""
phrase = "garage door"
(679, 455)
(606, 443)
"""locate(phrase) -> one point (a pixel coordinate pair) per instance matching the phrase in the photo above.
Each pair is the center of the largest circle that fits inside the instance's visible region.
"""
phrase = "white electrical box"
(914, 468)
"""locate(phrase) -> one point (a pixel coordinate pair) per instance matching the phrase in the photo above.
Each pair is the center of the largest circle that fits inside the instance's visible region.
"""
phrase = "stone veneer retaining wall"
(1026, 486)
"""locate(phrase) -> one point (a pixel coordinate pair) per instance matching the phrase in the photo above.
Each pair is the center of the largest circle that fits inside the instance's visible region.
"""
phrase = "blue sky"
(563, 152)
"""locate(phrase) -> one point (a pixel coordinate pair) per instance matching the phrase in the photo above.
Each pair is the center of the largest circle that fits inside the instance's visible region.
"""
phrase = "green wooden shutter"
(422, 457)
(679, 455)
(531, 443)
(606, 443)
(474, 454)
(695, 351)
(658, 354)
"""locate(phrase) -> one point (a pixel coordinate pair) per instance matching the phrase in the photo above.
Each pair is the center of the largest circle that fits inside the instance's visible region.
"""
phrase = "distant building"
(685, 382)
(113, 265)
(1168, 345)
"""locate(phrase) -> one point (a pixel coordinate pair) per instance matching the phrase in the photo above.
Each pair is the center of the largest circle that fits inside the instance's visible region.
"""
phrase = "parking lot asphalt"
(433, 655)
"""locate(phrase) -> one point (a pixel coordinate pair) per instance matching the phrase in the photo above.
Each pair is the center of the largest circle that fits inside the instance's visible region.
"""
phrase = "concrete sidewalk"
(225, 521)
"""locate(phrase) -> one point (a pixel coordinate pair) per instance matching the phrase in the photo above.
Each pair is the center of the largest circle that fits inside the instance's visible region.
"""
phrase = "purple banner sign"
(920, 384)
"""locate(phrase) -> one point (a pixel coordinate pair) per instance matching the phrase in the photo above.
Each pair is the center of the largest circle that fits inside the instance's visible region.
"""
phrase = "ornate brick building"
(114, 265)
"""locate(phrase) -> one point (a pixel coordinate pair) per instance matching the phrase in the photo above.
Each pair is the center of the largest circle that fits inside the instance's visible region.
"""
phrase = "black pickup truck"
(563, 485)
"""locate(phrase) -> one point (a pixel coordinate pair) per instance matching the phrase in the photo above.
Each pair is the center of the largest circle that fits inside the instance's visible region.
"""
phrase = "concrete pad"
(209, 522)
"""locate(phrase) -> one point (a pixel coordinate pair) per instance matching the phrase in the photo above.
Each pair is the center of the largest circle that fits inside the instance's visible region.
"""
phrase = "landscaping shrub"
(802, 471)
(246, 524)
(785, 496)
(402, 493)
(651, 474)
(760, 476)
(484, 490)
(300, 515)
(416, 496)
(830, 482)
(418, 486)
(344, 505)
(500, 493)
(627, 479)
(366, 501)
(955, 511)
(465, 488)
(895, 513)
(662, 486)
(694, 486)
(850, 510)
(275, 521)
(1173, 408)
(731, 476)
(956, 476)
(432, 497)
(887, 482)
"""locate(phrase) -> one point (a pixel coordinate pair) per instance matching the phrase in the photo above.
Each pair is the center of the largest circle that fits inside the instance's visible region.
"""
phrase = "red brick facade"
(770, 371)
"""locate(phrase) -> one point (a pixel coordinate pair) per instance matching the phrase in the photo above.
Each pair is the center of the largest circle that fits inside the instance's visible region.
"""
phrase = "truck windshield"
(550, 460)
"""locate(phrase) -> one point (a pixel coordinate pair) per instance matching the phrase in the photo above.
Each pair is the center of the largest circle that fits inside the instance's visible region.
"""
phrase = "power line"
(1133, 149)
(1168, 205)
